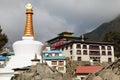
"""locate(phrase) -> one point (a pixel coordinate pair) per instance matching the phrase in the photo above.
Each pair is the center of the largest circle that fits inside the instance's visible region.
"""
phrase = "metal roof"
(52, 51)
(87, 69)
(54, 57)
(3, 58)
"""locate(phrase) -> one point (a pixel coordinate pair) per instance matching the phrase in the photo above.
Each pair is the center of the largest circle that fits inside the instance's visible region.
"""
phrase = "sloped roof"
(65, 33)
(87, 69)
(54, 57)
(52, 51)
(2, 58)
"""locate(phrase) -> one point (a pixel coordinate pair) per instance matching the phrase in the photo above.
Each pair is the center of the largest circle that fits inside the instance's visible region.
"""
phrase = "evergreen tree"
(3, 39)
(113, 37)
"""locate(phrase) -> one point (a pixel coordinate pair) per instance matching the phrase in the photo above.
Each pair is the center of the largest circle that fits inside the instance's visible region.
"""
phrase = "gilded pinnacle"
(29, 23)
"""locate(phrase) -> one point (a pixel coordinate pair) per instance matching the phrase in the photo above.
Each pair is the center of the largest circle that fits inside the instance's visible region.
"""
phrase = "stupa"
(24, 50)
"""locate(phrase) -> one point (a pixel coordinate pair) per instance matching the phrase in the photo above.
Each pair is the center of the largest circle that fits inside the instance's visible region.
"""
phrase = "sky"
(52, 17)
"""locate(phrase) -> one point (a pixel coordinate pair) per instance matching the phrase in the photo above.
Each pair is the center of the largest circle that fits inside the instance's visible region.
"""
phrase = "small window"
(60, 68)
(78, 46)
(109, 53)
(94, 47)
(54, 63)
(109, 47)
(62, 49)
(82, 78)
(56, 54)
(66, 47)
(79, 58)
(70, 46)
(94, 53)
(49, 54)
(109, 59)
(103, 47)
(84, 52)
(78, 52)
(70, 52)
(103, 53)
(61, 63)
(84, 46)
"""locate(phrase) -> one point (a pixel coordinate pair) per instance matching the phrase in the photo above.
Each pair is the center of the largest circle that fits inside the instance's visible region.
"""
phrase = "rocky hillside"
(98, 33)
(39, 72)
(111, 72)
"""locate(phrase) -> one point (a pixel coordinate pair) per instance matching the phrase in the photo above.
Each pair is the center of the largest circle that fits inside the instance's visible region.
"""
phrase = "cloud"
(54, 16)
(83, 15)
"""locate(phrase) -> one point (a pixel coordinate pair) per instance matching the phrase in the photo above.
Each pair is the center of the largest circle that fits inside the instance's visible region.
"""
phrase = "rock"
(97, 78)
(39, 72)
(111, 72)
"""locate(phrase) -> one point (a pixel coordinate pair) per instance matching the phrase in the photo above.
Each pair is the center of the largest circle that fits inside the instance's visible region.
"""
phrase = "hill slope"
(98, 33)
(111, 72)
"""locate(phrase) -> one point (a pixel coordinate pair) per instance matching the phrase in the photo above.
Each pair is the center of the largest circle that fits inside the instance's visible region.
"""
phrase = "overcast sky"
(54, 16)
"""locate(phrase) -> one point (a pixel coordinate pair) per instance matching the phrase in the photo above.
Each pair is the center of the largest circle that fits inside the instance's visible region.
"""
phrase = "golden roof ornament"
(29, 5)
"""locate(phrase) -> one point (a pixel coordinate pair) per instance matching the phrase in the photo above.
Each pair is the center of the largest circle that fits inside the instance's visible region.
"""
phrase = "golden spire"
(29, 23)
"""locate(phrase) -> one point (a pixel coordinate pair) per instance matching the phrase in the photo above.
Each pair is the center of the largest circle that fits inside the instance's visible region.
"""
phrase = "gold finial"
(28, 5)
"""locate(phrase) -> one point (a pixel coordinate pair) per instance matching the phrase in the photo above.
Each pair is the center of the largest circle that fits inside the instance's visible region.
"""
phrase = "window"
(50, 54)
(84, 46)
(109, 59)
(56, 54)
(62, 49)
(94, 53)
(60, 68)
(109, 47)
(109, 53)
(78, 52)
(84, 52)
(103, 47)
(94, 47)
(82, 78)
(61, 63)
(79, 58)
(103, 53)
(70, 46)
(78, 46)
(66, 47)
(70, 52)
(54, 63)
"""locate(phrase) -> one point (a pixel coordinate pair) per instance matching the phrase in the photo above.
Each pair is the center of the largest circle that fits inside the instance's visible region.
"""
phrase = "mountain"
(98, 33)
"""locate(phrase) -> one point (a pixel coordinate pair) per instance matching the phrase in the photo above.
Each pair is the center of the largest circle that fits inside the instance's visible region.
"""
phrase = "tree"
(113, 37)
(3, 39)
